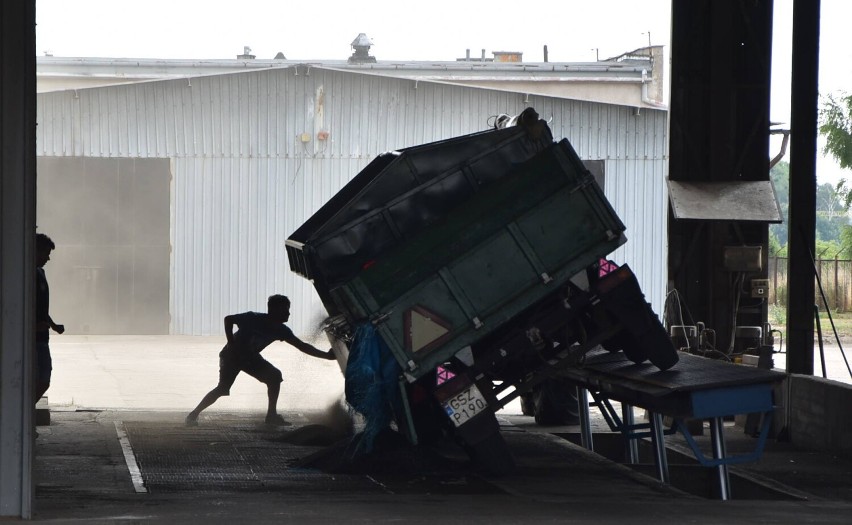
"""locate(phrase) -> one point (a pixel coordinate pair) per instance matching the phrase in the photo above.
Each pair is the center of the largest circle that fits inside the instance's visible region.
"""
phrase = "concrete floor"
(232, 468)
(174, 373)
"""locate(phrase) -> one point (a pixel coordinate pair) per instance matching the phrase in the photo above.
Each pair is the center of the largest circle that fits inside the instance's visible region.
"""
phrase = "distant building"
(171, 185)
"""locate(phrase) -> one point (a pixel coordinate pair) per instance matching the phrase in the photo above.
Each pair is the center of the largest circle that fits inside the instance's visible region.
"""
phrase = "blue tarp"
(372, 383)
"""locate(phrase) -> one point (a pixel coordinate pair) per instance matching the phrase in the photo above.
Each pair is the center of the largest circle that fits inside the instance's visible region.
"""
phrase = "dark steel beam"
(17, 257)
(719, 132)
(802, 214)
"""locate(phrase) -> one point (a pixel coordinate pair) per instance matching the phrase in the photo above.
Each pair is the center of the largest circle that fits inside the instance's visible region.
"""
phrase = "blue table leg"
(632, 446)
(717, 436)
(659, 445)
(585, 420)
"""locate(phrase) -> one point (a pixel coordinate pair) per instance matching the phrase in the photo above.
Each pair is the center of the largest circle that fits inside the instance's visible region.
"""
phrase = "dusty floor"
(233, 468)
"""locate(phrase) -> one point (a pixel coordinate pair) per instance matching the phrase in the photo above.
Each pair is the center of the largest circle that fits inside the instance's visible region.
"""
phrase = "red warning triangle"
(424, 329)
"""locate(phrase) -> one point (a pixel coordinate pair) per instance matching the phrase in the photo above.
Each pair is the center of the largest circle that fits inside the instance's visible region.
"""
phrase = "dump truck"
(462, 274)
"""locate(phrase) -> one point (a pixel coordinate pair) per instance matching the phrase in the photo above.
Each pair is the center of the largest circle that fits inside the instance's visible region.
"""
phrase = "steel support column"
(719, 132)
(17, 226)
(802, 216)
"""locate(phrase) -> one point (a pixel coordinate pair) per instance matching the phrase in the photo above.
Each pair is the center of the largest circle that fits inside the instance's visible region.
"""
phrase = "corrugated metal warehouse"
(237, 160)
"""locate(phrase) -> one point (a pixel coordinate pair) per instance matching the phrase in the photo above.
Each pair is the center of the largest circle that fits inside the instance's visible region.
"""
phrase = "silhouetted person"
(44, 323)
(242, 354)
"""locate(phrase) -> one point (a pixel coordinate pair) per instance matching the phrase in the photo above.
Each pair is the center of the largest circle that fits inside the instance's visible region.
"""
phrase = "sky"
(440, 30)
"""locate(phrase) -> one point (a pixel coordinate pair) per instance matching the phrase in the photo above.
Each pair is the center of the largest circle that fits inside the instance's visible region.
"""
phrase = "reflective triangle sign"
(424, 329)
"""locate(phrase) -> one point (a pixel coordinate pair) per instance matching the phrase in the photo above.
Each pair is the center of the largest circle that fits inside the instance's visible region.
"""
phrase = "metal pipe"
(631, 445)
(585, 423)
(819, 340)
(718, 442)
(784, 141)
(659, 445)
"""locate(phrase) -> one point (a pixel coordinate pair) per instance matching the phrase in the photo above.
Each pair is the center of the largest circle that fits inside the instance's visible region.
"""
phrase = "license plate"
(464, 405)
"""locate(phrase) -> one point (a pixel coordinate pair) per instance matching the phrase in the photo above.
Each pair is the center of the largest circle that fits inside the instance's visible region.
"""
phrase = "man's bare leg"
(273, 390)
(272, 417)
(206, 401)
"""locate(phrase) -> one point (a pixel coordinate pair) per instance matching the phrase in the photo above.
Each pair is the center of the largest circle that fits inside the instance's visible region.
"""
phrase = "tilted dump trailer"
(480, 262)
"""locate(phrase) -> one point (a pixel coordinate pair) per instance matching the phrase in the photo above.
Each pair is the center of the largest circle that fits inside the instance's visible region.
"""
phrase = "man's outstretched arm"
(58, 328)
(49, 324)
(309, 349)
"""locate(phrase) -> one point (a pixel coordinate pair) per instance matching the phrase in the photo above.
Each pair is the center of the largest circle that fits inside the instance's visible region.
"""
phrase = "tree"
(833, 201)
(776, 249)
(846, 242)
(832, 210)
(780, 175)
(835, 119)
(826, 249)
(832, 207)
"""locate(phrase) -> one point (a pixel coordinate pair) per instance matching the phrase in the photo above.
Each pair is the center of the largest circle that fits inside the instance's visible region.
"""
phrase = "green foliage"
(846, 242)
(777, 312)
(826, 249)
(828, 229)
(835, 124)
(832, 214)
(833, 201)
(775, 247)
(780, 176)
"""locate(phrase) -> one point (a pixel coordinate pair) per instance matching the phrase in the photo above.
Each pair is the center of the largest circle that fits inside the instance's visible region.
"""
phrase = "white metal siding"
(243, 180)
(634, 148)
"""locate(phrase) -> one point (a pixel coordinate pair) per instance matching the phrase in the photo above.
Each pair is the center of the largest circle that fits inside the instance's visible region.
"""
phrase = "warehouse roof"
(634, 78)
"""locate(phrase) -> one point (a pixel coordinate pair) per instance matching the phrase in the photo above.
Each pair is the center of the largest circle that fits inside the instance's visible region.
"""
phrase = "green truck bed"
(504, 247)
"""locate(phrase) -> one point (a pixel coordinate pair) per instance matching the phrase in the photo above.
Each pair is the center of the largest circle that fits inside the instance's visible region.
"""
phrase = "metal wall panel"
(634, 149)
(244, 179)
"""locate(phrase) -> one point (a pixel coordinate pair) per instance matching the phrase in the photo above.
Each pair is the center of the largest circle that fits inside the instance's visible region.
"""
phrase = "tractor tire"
(625, 342)
(658, 346)
(555, 403)
(492, 454)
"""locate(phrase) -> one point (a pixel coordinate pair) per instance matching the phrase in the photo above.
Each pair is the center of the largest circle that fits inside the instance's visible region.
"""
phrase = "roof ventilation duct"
(246, 54)
(361, 45)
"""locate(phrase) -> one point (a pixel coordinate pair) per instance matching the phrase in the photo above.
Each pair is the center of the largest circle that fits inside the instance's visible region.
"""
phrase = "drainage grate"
(225, 456)
(230, 456)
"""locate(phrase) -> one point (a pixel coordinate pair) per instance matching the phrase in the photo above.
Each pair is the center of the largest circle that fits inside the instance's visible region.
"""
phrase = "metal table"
(695, 388)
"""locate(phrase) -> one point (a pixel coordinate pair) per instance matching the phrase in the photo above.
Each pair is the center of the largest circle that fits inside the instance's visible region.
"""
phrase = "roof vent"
(280, 56)
(361, 45)
(246, 54)
(468, 58)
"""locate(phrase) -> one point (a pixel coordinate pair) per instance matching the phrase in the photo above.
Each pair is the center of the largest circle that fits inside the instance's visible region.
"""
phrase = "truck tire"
(625, 342)
(492, 454)
(528, 404)
(658, 346)
(555, 403)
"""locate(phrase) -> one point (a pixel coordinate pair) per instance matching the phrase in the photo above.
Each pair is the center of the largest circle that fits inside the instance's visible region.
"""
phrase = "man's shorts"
(44, 363)
(231, 364)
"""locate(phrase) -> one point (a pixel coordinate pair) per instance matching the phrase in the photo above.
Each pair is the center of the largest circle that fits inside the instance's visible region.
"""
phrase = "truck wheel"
(527, 404)
(492, 454)
(625, 342)
(659, 347)
(555, 403)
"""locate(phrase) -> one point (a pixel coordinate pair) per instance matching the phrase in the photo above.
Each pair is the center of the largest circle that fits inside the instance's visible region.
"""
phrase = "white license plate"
(464, 405)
